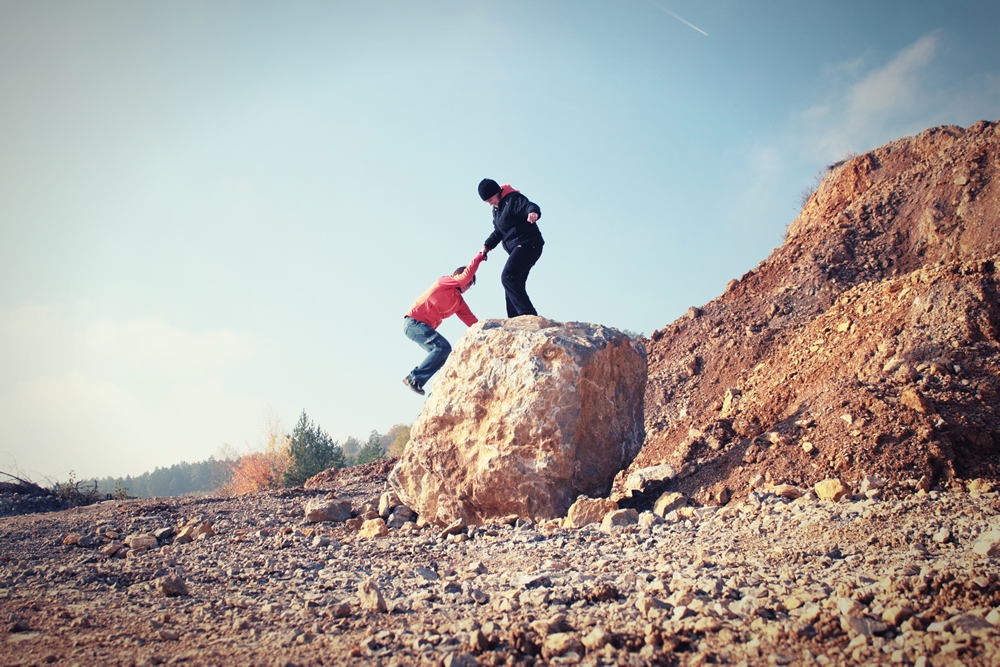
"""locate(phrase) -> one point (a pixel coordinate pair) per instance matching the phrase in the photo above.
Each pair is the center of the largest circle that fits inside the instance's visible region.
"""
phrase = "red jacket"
(444, 298)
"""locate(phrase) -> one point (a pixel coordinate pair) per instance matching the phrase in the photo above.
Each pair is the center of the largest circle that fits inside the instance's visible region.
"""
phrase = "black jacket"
(510, 222)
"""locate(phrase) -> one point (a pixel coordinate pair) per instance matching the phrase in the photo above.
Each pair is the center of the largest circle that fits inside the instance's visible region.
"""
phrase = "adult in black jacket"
(514, 219)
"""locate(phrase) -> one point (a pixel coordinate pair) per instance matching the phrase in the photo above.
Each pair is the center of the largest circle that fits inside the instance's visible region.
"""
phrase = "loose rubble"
(866, 343)
(901, 576)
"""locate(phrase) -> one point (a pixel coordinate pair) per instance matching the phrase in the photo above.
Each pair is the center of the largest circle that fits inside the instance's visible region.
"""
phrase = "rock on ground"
(526, 415)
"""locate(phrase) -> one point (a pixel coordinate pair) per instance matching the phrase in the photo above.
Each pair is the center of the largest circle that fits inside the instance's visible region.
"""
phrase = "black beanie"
(487, 188)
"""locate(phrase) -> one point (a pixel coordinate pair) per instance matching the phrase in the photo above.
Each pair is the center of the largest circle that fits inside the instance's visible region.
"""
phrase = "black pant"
(515, 274)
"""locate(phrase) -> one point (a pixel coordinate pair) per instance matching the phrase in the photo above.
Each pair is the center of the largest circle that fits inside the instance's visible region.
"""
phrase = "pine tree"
(312, 451)
(372, 451)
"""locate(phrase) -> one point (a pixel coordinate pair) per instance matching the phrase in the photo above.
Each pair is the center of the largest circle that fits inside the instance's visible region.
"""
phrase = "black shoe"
(412, 384)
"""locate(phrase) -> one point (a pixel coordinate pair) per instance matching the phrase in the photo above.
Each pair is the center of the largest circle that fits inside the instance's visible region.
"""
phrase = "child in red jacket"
(443, 299)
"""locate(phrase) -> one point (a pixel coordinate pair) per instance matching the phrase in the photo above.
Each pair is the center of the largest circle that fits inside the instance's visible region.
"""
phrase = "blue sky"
(215, 211)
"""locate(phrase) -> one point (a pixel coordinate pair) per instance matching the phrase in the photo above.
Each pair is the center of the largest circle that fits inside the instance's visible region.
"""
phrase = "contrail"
(684, 21)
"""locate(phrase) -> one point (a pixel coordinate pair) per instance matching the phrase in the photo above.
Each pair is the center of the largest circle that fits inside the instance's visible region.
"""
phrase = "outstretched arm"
(466, 276)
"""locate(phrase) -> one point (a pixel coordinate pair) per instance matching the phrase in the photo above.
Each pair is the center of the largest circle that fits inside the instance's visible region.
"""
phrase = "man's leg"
(434, 343)
(514, 277)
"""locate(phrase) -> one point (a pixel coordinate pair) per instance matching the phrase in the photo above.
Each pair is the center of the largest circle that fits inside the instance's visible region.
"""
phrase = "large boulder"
(526, 415)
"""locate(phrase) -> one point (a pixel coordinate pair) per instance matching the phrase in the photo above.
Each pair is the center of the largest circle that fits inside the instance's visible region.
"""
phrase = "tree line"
(283, 460)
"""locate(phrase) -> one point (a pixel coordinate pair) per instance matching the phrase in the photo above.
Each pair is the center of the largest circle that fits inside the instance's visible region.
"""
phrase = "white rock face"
(526, 415)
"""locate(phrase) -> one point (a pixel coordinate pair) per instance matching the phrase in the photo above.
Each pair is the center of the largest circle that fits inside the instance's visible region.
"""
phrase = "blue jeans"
(428, 338)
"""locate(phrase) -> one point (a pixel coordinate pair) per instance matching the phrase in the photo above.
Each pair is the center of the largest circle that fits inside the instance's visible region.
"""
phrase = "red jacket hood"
(506, 190)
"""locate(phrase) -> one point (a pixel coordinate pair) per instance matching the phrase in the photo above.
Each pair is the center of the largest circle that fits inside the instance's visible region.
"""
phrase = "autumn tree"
(261, 468)
(400, 434)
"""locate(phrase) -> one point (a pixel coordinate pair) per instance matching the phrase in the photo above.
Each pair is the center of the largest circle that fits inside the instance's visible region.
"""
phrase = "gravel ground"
(902, 577)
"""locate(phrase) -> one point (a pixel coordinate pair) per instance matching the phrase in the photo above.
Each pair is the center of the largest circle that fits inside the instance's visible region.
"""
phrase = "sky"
(217, 213)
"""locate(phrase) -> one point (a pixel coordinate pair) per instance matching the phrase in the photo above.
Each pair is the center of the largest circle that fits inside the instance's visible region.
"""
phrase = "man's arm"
(534, 212)
(493, 239)
(529, 209)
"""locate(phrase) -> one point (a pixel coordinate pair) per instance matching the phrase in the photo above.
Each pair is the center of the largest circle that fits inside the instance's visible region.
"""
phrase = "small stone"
(707, 624)
(459, 660)
(778, 439)
(942, 536)
(863, 626)
(478, 641)
(988, 544)
(603, 592)
(831, 489)
(549, 626)
(454, 528)
(71, 539)
(340, 609)
(597, 639)
(399, 517)
(585, 511)
(915, 401)
(896, 615)
(560, 644)
(787, 491)
(387, 503)
(321, 509)
(649, 519)
(668, 502)
(373, 528)
(644, 479)
(980, 486)
(849, 607)
(870, 482)
(170, 587)
(893, 364)
(111, 548)
(619, 520)
(143, 541)
(371, 597)
(808, 447)
(425, 573)
(646, 604)
(18, 626)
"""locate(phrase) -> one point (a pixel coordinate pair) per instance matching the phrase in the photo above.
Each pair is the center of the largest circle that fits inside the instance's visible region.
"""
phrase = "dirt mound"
(867, 344)
(22, 497)
(375, 471)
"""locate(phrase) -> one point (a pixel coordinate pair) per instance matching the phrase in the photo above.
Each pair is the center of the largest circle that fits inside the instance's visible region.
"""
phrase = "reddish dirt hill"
(867, 344)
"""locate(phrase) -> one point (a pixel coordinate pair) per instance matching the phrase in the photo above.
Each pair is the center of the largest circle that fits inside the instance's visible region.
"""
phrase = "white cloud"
(861, 113)
(120, 397)
(864, 106)
(894, 88)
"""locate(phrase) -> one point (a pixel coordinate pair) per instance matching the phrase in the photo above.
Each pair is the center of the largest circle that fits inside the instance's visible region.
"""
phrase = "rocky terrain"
(818, 485)
(889, 577)
(867, 343)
